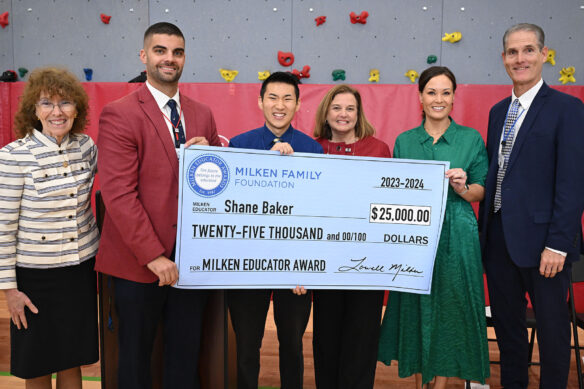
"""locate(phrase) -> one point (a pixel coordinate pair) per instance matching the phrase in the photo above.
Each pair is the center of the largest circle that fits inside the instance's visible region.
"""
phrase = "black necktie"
(179, 134)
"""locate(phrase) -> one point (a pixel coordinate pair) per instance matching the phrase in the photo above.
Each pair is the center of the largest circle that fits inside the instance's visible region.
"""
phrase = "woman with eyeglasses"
(48, 234)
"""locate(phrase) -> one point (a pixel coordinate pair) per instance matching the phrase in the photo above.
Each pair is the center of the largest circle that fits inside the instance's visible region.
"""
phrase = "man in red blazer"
(138, 142)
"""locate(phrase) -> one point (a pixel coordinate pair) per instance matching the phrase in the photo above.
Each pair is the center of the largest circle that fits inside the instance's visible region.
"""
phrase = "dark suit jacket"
(138, 173)
(542, 194)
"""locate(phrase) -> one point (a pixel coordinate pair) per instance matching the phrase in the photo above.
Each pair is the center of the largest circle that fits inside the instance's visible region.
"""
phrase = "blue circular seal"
(208, 175)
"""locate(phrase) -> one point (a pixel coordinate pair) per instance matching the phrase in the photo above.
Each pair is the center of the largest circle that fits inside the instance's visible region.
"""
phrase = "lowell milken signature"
(396, 269)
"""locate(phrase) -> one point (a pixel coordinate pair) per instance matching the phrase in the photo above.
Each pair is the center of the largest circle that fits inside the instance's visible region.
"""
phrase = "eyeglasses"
(65, 106)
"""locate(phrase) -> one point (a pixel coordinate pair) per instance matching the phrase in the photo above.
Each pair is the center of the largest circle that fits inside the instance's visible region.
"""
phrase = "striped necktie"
(506, 146)
(176, 124)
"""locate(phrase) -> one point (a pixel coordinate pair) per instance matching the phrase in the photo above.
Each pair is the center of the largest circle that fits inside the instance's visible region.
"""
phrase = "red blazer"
(138, 173)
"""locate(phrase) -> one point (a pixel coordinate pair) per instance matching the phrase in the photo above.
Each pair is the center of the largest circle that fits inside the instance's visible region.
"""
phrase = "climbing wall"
(243, 37)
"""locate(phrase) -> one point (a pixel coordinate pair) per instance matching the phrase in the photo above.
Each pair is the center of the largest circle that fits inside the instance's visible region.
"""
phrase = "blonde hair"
(323, 130)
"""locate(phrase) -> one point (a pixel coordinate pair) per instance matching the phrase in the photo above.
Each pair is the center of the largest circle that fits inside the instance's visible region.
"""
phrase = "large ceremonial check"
(258, 219)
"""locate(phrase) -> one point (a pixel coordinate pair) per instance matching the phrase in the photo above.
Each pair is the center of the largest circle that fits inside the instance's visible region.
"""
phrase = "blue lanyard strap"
(506, 133)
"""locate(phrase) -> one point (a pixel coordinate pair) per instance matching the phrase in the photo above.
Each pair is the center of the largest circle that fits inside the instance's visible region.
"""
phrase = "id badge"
(501, 160)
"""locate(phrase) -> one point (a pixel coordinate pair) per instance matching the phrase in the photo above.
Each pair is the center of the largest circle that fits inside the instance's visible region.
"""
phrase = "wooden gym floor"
(386, 377)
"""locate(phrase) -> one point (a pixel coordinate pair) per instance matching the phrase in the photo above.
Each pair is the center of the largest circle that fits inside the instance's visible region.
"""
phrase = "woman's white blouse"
(46, 219)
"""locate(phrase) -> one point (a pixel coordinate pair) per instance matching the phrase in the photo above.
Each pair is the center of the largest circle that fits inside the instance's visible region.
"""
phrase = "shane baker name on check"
(273, 178)
(232, 206)
(261, 264)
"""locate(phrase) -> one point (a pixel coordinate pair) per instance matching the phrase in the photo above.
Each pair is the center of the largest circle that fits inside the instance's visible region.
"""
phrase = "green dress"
(444, 333)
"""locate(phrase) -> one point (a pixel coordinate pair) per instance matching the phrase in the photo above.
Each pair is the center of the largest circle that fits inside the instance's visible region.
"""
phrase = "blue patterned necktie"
(179, 134)
(506, 146)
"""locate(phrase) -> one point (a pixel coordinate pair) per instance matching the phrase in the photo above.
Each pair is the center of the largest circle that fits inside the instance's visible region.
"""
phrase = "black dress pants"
(141, 308)
(507, 286)
(346, 335)
(248, 309)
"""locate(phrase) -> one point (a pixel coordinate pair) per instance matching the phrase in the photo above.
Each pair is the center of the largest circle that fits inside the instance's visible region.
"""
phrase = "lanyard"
(502, 156)
(174, 128)
(508, 132)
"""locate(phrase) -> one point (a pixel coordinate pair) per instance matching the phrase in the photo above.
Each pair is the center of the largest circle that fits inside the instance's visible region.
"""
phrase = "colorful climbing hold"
(361, 18)
(551, 57)
(412, 75)
(304, 73)
(452, 37)
(338, 74)
(374, 75)
(320, 20)
(263, 75)
(285, 58)
(431, 59)
(567, 75)
(228, 75)
(4, 19)
(105, 18)
(88, 73)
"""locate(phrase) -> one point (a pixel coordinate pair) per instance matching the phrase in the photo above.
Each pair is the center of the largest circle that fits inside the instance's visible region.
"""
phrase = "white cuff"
(562, 253)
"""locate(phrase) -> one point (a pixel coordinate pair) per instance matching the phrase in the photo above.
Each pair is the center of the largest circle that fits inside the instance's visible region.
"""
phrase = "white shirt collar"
(161, 98)
(527, 98)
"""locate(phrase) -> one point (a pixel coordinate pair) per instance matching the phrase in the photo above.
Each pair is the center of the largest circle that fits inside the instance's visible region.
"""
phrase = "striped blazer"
(46, 220)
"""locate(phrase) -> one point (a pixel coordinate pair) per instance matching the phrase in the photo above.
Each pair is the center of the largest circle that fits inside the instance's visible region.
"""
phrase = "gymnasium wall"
(246, 35)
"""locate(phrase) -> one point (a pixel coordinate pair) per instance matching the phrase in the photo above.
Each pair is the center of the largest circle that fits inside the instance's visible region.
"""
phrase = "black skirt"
(63, 334)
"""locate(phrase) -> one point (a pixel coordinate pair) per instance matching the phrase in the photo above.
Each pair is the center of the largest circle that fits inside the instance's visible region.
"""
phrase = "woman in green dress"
(443, 334)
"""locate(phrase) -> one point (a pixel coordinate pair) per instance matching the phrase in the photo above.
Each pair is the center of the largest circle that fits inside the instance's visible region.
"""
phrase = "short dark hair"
(537, 30)
(163, 28)
(432, 72)
(283, 77)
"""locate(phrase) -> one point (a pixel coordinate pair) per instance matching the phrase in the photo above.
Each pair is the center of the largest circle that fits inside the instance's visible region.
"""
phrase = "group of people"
(529, 180)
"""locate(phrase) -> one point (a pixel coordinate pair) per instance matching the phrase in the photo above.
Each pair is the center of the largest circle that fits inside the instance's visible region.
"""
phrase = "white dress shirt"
(525, 100)
(162, 101)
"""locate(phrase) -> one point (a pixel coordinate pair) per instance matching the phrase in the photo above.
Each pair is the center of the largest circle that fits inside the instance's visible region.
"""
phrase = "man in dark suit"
(138, 142)
(531, 215)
